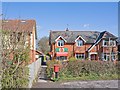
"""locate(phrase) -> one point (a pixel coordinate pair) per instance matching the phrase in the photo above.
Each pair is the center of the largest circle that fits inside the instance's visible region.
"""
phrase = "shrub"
(90, 69)
(72, 59)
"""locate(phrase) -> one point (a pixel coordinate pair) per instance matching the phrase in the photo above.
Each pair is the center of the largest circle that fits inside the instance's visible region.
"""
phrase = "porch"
(93, 56)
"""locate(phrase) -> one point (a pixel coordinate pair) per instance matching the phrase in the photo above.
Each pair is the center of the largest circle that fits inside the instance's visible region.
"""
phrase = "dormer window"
(60, 43)
(79, 43)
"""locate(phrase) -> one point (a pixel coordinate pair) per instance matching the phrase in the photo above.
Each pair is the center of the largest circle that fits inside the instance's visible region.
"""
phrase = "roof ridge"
(72, 31)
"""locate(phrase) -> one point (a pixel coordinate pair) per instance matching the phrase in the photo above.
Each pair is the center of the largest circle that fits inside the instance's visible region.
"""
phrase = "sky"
(80, 16)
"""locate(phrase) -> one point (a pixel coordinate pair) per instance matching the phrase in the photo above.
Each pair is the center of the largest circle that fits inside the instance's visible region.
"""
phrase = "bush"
(72, 59)
(89, 70)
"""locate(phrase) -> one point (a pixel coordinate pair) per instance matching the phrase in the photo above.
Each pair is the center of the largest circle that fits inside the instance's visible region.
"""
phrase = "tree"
(43, 45)
(15, 58)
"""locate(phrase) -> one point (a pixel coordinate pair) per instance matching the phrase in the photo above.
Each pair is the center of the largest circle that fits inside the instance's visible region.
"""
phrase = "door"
(93, 57)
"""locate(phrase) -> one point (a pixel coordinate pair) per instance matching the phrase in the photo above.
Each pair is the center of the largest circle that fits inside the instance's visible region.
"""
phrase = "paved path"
(42, 74)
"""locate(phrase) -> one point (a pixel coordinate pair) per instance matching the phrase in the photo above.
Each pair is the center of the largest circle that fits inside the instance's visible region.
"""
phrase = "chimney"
(67, 29)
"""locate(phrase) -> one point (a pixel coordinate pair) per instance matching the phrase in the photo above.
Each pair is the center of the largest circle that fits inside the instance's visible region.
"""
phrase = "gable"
(80, 38)
(60, 38)
(102, 35)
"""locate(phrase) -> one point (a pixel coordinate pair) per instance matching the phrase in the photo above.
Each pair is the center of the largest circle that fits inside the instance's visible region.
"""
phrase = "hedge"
(86, 68)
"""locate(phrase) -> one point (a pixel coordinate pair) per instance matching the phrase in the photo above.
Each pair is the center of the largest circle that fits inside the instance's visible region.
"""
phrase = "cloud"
(39, 27)
(86, 25)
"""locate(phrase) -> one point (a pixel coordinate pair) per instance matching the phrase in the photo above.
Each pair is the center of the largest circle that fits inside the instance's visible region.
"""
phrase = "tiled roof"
(103, 34)
(70, 36)
(18, 25)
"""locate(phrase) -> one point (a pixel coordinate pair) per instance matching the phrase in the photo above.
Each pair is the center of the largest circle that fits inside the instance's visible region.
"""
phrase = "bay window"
(109, 42)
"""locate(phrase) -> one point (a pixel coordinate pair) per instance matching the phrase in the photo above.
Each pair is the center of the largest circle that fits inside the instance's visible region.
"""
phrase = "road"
(79, 84)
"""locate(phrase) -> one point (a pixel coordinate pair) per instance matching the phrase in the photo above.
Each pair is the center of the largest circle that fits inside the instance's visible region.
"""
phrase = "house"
(92, 45)
(25, 29)
(119, 48)
(42, 56)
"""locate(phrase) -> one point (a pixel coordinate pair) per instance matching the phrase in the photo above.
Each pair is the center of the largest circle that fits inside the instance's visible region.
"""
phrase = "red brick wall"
(72, 48)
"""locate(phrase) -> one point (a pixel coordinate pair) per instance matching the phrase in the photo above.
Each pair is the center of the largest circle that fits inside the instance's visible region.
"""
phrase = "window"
(79, 42)
(107, 43)
(106, 56)
(113, 56)
(61, 58)
(80, 56)
(112, 42)
(60, 43)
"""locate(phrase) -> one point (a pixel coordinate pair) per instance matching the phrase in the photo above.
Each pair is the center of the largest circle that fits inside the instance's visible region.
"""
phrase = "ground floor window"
(108, 56)
(61, 58)
(80, 56)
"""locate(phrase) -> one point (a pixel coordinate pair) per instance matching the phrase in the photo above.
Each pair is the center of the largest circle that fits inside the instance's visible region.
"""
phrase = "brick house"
(119, 48)
(92, 45)
(25, 29)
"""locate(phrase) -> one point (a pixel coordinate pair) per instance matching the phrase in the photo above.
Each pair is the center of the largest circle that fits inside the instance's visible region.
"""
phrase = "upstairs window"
(79, 43)
(105, 42)
(112, 42)
(109, 42)
(60, 43)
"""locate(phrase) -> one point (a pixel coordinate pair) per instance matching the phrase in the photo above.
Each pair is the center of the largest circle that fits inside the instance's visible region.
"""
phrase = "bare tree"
(43, 45)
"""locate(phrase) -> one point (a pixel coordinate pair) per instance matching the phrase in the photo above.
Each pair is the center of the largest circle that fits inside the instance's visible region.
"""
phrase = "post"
(56, 75)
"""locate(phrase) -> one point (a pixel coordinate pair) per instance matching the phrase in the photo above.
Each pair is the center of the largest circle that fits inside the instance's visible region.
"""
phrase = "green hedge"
(89, 70)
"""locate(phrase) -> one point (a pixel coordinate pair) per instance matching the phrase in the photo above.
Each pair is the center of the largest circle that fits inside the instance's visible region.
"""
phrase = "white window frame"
(61, 45)
(105, 55)
(111, 41)
(105, 41)
(80, 55)
(108, 56)
(79, 43)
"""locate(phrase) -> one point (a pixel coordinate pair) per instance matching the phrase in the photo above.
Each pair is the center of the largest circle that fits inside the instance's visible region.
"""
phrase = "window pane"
(60, 43)
(79, 42)
(80, 56)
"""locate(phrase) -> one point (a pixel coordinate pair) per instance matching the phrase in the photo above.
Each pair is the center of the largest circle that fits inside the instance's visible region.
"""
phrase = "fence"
(33, 71)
